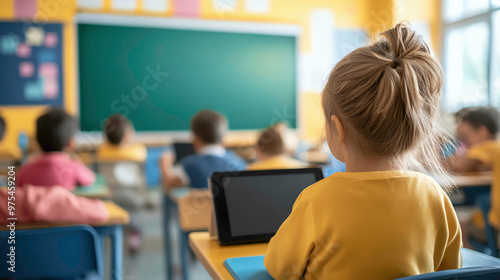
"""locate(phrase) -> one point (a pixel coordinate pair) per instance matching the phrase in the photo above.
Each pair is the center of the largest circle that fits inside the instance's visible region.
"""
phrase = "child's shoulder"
(343, 182)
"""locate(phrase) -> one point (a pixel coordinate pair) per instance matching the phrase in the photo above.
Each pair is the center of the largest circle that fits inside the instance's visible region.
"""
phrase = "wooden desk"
(97, 190)
(315, 157)
(112, 228)
(170, 199)
(212, 255)
(473, 179)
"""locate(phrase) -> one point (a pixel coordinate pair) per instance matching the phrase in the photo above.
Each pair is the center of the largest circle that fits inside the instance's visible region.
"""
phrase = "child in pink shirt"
(54, 132)
(52, 204)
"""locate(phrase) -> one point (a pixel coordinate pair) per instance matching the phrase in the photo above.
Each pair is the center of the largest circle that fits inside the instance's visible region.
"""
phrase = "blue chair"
(62, 252)
(468, 273)
(484, 203)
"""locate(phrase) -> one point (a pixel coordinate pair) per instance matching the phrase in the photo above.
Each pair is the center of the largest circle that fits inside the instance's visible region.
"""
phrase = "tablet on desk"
(250, 206)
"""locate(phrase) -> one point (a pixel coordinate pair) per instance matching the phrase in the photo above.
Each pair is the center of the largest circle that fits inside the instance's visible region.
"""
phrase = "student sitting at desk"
(378, 220)
(119, 132)
(477, 132)
(54, 167)
(271, 153)
(208, 128)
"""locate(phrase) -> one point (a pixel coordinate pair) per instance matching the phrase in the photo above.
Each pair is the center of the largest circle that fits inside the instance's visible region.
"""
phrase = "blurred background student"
(120, 162)
(119, 132)
(208, 129)
(477, 132)
(54, 167)
(271, 152)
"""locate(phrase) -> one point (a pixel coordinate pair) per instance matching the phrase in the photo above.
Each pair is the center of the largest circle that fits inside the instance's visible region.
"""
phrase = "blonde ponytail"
(387, 95)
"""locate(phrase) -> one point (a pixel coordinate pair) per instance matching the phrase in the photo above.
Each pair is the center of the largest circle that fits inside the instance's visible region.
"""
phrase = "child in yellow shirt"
(119, 132)
(377, 220)
(477, 131)
(271, 151)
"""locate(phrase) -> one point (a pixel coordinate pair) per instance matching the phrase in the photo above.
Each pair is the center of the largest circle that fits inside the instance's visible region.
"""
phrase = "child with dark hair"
(208, 128)
(477, 131)
(54, 167)
(119, 131)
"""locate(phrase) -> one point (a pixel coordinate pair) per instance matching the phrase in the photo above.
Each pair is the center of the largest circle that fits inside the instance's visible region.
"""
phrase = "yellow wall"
(425, 11)
(373, 16)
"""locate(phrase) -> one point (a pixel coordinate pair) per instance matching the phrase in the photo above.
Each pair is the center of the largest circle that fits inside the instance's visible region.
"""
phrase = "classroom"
(250, 139)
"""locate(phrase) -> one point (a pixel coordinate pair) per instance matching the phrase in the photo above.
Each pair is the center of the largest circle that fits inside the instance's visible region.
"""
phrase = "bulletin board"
(31, 64)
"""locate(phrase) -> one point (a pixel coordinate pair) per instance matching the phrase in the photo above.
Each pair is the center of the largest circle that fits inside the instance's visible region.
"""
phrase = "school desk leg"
(166, 236)
(102, 239)
(117, 255)
(115, 234)
(184, 254)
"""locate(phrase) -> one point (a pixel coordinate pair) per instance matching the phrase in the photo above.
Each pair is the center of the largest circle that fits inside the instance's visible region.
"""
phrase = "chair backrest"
(468, 273)
(195, 210)
(60, 252)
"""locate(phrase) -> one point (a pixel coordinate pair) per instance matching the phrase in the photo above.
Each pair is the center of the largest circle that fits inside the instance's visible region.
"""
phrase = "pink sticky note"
(26, 69)
(187, 8)
(50, 88)
(50, 39)
(23, 50)
(25, 8)
(48, 70)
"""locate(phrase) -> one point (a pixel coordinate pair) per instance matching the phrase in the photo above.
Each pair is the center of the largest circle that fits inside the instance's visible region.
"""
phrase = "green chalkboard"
(159, 78)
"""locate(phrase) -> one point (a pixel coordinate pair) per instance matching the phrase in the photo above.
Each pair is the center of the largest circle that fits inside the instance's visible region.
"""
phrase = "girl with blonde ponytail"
(383, 218)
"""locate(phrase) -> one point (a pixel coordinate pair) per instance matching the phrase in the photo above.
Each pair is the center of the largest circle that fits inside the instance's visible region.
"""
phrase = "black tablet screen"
(260, 204)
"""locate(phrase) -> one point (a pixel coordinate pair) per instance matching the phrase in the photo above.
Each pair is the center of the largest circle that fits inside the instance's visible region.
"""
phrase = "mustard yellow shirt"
(277, 162)
(483, 151)
(494, 214)
(130, 152)
(367, 225)
(488, 153)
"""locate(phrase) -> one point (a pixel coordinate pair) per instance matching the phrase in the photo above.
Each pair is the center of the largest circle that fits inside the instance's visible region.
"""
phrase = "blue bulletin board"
(31, 64)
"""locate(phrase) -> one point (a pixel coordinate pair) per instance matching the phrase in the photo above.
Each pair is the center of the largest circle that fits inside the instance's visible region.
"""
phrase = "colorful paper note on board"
(8, 45)
(50, 88)
(187, 8)
(26, 69)
(48, 70)
(46, 56)
(157, 6)
(224, 5)
(258, 6)
(50, 39)
(89, 4)
(33, 91)
(23, 50)
(25, 8)
(35, 36)
(127, 5)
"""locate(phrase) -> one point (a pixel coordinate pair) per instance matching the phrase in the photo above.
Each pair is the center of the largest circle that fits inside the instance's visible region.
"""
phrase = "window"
(471, 53)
